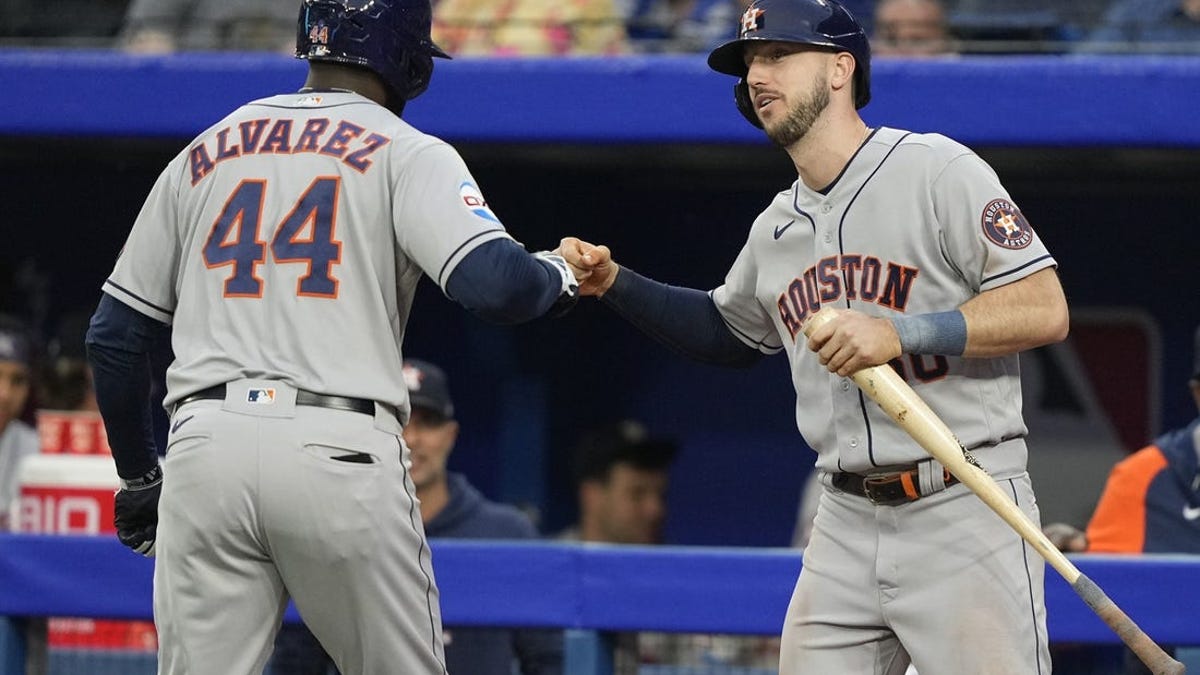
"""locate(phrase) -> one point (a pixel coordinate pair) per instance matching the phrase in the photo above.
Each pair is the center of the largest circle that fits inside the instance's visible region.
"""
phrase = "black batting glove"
(135, 511)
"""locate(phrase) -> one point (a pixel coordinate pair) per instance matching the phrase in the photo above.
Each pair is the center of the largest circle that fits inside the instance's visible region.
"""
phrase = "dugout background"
(652, 159)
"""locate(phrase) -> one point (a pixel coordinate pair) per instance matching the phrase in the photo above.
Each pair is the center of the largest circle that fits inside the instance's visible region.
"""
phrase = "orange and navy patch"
(751, 20)
(1005, 226)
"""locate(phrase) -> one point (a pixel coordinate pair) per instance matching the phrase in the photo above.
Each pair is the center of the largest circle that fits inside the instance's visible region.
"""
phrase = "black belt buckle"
(885, 490)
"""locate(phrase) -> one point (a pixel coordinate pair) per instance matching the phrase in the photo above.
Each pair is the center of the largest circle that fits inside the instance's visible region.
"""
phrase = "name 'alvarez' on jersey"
(323, 200)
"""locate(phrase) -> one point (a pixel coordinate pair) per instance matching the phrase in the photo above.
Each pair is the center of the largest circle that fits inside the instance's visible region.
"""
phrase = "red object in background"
(1121, 350)
(73, 494)
(72, 432)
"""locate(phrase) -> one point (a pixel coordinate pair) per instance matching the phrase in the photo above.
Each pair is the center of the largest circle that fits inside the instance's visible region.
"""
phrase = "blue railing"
(589, 588)
(1074, 100)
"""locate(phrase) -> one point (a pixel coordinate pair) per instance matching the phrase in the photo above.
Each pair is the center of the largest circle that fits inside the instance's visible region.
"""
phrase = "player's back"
(289, 266)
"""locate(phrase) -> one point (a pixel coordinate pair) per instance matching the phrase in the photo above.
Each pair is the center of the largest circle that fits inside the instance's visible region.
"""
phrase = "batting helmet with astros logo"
(821, 23)
(388, 37)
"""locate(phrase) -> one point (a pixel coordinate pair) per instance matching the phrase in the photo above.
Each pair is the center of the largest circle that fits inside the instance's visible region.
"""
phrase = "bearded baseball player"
(280, 250)
(940, 275)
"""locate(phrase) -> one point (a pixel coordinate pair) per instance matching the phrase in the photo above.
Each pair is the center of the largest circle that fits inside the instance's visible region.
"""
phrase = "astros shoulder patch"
(1004, 225)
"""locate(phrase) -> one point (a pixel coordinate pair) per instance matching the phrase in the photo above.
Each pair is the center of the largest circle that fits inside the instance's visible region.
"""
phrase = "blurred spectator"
(1156, 26)
(66, 381)
(911, 28)
(528, 27)
(621, 474)
(621, 477)
(1150, 504)
(17, 439)
(451, 508)
(164, 26)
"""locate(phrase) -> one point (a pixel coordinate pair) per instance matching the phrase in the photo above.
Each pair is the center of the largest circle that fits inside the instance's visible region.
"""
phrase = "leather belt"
(358, 405)
(889, 489)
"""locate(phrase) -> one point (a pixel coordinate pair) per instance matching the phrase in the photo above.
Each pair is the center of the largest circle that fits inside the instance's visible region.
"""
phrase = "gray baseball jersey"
(916, 223)
(293, 233)
(285, 245)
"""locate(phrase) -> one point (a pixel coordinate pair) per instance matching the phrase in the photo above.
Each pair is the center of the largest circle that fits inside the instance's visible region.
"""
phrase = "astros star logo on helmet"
(752, 20)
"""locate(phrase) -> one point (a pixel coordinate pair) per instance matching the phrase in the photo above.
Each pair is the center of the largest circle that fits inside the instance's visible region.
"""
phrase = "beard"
(801, 116)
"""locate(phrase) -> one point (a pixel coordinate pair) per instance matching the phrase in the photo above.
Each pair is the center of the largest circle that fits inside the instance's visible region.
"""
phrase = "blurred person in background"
(1148, 26)
(165, 26)
(1150, 503)
(66, 381)
(621, 477)
(17, 438)
(451, 508)
(528, 28)
(911, 28)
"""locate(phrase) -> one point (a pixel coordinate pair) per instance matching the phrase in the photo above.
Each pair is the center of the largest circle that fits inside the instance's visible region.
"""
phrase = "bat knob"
(820, 318)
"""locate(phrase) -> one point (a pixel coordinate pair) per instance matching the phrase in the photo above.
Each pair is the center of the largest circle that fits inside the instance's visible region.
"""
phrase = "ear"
(841, 73)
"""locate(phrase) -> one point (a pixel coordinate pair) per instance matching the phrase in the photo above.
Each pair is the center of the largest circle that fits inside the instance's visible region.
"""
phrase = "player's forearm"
(502, 283)
(1022, 315)
(683, 319)
(118, 344)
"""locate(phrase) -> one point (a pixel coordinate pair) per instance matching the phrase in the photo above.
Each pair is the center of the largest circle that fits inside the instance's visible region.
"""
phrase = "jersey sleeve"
(984, 235)
(144, 276)
(739, 306)
(440, 213)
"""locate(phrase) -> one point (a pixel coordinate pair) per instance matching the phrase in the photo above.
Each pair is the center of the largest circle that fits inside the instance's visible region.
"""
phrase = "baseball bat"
(884, 386)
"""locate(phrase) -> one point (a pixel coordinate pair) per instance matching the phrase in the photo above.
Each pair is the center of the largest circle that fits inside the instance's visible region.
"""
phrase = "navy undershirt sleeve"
(683, 319)
(120, 341)
(500, 282)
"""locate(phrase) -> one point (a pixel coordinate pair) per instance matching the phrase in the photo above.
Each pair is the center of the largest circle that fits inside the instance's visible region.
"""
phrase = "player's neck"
(336, 76)
(825, 150)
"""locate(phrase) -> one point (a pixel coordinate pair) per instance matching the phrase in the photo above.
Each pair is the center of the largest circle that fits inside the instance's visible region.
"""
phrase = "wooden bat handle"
(884, 386)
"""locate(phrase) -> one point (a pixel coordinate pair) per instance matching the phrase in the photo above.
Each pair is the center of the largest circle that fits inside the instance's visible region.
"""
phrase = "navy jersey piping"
(1015, 269)
(139, 298)
(412, 516)
(862, 401)
(733, 329)
(1037, 640)
(829, 188)
(461, 246)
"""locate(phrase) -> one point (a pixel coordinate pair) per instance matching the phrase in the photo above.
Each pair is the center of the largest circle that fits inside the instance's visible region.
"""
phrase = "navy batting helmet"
(822, 23)
(389, 37)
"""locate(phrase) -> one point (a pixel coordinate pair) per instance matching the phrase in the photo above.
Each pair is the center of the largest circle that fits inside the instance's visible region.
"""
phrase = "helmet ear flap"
(419, 68)
(741, 96)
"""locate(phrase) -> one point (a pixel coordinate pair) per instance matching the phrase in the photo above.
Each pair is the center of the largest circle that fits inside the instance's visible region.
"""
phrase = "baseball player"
(939, 274)
(282, 247)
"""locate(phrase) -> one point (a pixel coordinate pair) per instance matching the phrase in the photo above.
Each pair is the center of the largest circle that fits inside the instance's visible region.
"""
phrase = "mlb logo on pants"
(260, 396)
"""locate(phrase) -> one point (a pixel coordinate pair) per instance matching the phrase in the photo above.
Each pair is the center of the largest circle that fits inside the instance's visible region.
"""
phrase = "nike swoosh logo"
(780, 229)
(1191, 513)
(179, 423)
